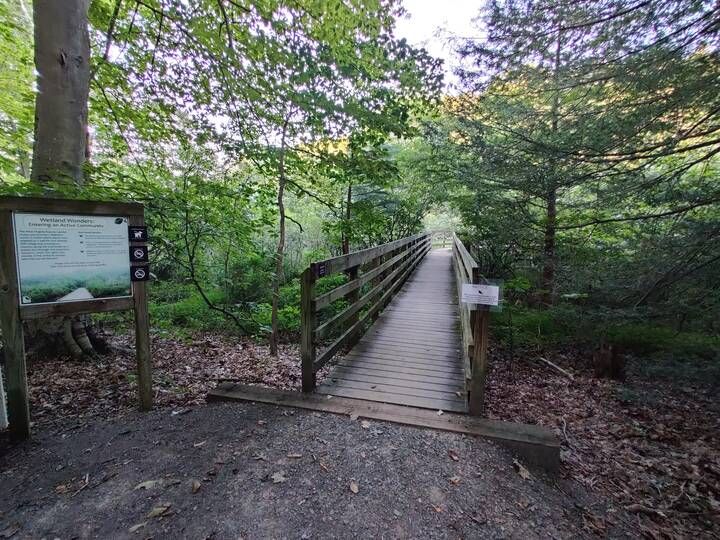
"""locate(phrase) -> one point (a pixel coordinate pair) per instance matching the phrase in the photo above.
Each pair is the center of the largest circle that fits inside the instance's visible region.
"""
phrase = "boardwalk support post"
(12, 334)
(308, 323)
(476, 397)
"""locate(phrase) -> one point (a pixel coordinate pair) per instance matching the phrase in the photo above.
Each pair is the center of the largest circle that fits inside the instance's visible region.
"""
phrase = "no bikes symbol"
(140, 273)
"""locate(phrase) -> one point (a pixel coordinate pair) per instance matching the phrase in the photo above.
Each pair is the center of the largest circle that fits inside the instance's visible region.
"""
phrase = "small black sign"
(138, 254)
(140, 273)
(321, 269)
(138, 234)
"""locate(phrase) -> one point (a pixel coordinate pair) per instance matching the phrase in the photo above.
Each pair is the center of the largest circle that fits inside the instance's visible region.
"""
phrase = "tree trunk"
(60, 148)
(280, 253)
(348, 215)
(548, 276)
(279, 259)
(62, 61)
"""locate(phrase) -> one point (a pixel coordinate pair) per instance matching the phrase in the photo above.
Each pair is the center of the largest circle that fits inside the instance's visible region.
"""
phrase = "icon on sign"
(140, 273)
(138, 253)
(138, 234)
(321, 269)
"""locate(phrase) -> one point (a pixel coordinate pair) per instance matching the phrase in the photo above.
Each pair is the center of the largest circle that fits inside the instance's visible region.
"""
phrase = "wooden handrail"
(382, 268)
(474, 328)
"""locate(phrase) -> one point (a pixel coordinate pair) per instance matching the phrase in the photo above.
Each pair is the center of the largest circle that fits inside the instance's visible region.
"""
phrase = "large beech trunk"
(62, 61)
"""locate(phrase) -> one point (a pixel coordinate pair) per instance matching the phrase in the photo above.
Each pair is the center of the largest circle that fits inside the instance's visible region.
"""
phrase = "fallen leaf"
(455, 480)
(438, 509)
(521, 470)
(195, 486)
(137, 527)
(278, 477)
(354, 486)
(159, 510)
(365, 424)
(353, 416)
(440, 413)
(148, 484)
(453, 455)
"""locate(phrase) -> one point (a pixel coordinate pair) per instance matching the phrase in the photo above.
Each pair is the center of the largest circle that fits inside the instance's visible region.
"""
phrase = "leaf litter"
(652, 445)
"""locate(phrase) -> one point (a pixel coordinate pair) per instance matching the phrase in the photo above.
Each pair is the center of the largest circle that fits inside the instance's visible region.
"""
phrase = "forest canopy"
(577, 155)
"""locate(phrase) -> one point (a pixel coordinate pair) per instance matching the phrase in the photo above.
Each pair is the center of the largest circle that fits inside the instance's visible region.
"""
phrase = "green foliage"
(188, 314)
(565, 323)
(16, 90)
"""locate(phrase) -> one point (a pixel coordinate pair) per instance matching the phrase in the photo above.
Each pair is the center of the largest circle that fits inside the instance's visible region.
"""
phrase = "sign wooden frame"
(12, 313)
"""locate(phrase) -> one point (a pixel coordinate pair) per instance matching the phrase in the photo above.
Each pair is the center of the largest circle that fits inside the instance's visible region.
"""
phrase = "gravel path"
(257, 471)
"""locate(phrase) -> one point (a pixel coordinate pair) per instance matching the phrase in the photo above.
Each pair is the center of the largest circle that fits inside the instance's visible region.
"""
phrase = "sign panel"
(138, 254)
(3, 408)
(138, 234)
(140, 273)
(485, 295)
(63, 257)
(321, 269)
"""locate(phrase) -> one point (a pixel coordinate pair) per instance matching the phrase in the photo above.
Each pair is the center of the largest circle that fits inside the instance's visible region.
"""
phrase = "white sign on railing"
(3, 408)
(485, 295)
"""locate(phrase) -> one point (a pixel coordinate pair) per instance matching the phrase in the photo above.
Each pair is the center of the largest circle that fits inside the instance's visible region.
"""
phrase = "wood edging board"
(535, 445)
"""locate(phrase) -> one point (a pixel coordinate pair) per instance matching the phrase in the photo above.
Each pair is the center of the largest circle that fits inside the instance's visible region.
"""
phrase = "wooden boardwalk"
(412, 354)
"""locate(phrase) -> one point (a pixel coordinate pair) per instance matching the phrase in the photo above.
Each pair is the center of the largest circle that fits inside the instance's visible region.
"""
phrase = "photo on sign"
(63, 258)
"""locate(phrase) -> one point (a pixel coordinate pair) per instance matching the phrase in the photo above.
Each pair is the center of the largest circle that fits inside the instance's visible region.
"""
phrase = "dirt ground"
(247, 470)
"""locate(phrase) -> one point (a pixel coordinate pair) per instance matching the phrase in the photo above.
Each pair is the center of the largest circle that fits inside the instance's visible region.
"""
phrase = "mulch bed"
(652, 445)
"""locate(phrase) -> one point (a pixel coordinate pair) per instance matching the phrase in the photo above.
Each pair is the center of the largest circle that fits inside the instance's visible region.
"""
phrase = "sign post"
(63, 258)
(482, 297)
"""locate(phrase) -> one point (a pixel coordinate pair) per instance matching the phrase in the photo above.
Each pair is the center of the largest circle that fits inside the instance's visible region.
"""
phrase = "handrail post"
(480, 328)
(308, 322)
(352, 297)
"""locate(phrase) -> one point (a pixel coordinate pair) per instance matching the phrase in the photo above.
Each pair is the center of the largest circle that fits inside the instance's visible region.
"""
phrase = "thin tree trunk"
(280, 253)
(548, 275)
(549, 254)
(62, 61)
(348, 215)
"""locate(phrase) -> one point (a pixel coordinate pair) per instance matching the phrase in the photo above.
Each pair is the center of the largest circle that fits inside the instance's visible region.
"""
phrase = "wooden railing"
(373, 277)
(442, 237)
(474, 327)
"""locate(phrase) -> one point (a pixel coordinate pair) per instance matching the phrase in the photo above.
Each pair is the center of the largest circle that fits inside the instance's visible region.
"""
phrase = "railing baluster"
(308, 322)
(401, 256)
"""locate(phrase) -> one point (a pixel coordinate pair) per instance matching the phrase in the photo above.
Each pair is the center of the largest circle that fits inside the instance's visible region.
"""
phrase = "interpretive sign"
(59, 254)
(485, 295)
(62, 258)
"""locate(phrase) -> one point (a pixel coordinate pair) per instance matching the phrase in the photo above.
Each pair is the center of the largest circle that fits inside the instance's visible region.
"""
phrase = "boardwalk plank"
(411, 355)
